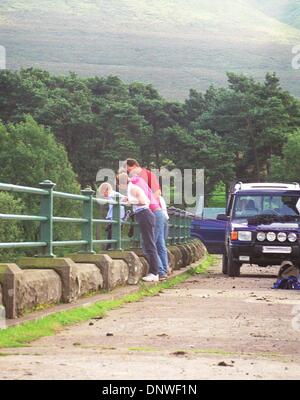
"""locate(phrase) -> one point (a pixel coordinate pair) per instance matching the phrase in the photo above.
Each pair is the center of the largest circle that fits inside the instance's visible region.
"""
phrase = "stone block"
(178, 257)
(37, 287)
(89, 278)
(66, 269)
(8, 275)
(201, 249)
(139, 252)
(135, 266)
(114, 272)
(145, 265)
(171, 259)
(193, 252)
(187, 254)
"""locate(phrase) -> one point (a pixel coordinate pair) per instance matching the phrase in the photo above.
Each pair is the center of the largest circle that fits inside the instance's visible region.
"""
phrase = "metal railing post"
(180, 226)
(170, 241)
(184, 227)
(46, 229)
(87, 227)
(168, 232)
(177, 229)
(117, 228)
(172, 227)
(189, 226)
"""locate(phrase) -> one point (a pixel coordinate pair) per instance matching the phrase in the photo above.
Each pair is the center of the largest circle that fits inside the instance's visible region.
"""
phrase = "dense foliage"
(232, 132)
(246, 131)
(30, 154)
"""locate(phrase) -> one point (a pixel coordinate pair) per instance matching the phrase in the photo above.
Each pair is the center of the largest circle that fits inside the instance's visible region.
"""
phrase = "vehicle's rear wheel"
(224, 264)
(233, 268)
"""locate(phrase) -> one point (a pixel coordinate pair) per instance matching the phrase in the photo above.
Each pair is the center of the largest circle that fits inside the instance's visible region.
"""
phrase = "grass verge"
(27, 332)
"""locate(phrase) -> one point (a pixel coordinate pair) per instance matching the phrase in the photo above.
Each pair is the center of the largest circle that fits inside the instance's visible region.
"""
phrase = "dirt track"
(183, 333)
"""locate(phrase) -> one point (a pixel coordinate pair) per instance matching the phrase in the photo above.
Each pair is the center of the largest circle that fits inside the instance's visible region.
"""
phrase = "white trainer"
(151, 278)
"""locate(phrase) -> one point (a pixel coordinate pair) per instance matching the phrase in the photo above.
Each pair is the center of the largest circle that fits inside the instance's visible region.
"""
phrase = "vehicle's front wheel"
(224, 264)
(233, 267)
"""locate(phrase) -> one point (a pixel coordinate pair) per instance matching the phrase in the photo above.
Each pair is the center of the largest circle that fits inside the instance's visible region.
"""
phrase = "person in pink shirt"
(160, 221)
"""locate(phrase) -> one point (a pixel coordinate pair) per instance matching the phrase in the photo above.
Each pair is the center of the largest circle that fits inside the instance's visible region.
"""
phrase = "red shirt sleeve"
(151, 179)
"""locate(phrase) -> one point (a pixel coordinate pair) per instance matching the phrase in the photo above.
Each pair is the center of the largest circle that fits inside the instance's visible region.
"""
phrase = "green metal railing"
(179, 223)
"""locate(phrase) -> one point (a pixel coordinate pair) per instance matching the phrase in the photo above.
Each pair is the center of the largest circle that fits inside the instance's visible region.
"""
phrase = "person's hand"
(125, 202)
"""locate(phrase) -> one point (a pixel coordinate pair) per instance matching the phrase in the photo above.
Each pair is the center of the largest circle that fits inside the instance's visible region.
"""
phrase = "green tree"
(253, 119)
(30, 154)
(286, 168)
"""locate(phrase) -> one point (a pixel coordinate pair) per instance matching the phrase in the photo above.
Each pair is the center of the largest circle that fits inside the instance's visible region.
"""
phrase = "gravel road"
(210, 327)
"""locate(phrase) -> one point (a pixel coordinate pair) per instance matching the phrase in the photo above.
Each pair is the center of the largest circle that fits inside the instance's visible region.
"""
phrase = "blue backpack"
(290, 283)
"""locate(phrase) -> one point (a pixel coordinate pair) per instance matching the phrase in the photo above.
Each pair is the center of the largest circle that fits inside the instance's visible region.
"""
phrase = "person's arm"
(154, 185)
(157, 194)
(138, 193)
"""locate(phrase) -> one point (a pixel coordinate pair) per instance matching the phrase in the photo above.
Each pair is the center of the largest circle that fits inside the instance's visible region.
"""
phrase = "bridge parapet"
(48, 280)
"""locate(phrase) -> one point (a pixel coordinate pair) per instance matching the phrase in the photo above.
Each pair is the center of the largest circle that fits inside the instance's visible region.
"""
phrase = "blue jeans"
(159, 233)
(146, 221)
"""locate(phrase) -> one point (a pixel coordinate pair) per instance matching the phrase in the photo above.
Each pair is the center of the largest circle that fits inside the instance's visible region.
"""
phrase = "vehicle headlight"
(261, 236)
(271, 236)
(245, 236)
(282, 237)
(292, 237)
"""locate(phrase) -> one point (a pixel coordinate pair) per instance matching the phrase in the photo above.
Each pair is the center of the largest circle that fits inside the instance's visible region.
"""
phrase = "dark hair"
(131, 162)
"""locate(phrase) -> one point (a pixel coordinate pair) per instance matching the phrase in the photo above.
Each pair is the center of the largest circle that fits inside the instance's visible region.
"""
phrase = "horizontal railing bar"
(98, 241)
(67, 219)
(23, 217)
(22, 244)
(22, 189)
(105, 221)
(129, 223)
(69, 242)
(104, 201)
(70, 196)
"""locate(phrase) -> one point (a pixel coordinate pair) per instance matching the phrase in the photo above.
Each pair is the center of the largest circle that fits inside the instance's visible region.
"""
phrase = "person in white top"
(106, 191)
(146, 220)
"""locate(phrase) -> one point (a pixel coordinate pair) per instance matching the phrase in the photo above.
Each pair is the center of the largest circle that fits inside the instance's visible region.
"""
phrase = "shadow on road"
(258, 276)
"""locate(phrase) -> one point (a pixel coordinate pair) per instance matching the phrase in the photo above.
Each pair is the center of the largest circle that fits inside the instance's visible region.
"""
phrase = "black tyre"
(225, 264)
(233, 267)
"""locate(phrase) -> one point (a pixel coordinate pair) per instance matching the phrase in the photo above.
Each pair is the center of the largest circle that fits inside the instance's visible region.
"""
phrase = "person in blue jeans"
(160, 225)
(146, 221)
(159, 232)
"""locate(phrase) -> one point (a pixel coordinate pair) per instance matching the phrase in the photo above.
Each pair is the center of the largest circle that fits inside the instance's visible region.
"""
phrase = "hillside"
(287, 11)
(174, 44)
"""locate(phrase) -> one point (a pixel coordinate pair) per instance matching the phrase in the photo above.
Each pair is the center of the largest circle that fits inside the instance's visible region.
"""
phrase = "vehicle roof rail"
(238, 185)
(232, 187)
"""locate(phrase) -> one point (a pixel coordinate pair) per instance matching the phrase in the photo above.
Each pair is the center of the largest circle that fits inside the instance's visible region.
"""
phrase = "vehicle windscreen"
(265, 205)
